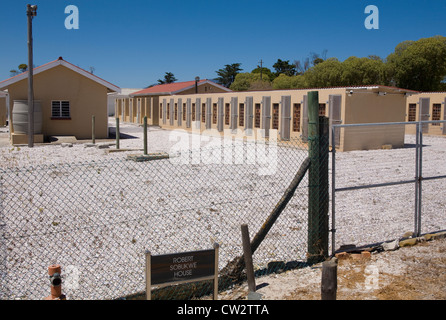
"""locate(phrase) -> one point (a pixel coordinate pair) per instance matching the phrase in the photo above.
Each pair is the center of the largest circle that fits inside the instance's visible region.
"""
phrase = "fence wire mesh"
(97, 218)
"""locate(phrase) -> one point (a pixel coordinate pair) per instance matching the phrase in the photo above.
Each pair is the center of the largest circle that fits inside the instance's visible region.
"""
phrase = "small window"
(60, 109)
(241, 114)
(296, 117)
(322, 109)
(436, 113)
(227, 110)
(412, 112)
(257, 115)
(203, 112)
(275, 116)
(214, 113)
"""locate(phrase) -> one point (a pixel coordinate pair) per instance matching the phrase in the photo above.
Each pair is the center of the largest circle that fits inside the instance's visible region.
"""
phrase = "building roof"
(174, 88)
(59, 62)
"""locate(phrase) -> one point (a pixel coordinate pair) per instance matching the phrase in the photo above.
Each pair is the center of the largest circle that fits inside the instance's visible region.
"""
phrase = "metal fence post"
(318, 182)
(117, 133)
(333, 190)
(145, 135)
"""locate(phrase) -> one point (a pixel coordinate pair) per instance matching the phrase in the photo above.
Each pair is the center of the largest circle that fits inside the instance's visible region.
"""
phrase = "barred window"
(436, 113)
(257, 115)
(412, 112)
(60, 109)
(296, 117)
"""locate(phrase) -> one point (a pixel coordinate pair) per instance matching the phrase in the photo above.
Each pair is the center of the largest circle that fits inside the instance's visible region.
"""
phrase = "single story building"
(145, 102)
(427, 106)
(113, 96)
(286, 111)
(68, 97)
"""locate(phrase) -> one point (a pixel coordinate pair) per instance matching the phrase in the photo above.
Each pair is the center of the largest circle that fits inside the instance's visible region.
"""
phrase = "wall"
(3, 110)
(438, 98)
(87, 98)
(369, 107)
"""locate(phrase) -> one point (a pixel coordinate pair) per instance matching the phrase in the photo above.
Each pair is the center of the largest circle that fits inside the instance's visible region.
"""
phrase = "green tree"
(168, 78)
(266, 73)
(325, 74)
(284, 67)
(289, 82)
(363, 71)
(419, 65)
(226, 75)
(22, 68)
(250, 81)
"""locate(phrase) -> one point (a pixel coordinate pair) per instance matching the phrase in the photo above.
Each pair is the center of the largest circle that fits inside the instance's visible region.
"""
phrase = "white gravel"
(95, 213)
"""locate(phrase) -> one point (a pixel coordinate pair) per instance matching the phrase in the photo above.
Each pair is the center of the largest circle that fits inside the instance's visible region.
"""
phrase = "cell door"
(188, 112)
(172, 112)
(285, 117)
(424, 113)
(234, 113)
(164, 111)
(221, 114)
(198, 113)
(266, 116)
(208, 118)
(249, 115)
(334, 109)
(180, 111)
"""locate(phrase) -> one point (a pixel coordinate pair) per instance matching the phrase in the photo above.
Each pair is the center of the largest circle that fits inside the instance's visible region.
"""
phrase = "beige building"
(427, 106)
(285, 113)
(68, 95)
(145, 102)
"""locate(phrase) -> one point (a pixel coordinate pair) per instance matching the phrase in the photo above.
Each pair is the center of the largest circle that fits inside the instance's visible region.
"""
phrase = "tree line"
(416, 65)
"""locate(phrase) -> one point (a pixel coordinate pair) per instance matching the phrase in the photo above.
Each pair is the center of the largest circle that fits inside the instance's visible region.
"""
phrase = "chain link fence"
(97, 218)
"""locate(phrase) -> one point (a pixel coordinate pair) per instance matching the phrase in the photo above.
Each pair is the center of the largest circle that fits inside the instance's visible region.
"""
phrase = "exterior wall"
(87, 98)
(369, 107)
(3, 111)
(437, 99)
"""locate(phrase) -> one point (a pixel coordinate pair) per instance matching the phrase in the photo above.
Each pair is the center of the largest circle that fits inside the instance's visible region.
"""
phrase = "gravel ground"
(362, 217)
(408, 273)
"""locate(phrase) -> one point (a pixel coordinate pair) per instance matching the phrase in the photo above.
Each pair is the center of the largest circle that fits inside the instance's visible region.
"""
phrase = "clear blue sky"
(133, 43)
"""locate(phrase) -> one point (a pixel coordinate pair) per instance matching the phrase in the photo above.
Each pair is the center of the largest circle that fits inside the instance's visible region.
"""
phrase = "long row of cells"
(241, 120)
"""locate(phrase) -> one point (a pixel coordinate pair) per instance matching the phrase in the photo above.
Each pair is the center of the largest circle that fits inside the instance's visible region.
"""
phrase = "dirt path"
(410, 273)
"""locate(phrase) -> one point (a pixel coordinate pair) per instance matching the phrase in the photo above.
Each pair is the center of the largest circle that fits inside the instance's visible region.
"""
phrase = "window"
(322, 109)
(168, 111)
(60, 109)
(176, 111)
(241, 114)
(436, 113)
(412, 112)
(275, 116)
(296, 117)
(184, 111)
(214, 113)
(227, 107)
(257, 115)
(203, 112)
(161, 110)
(193, 112)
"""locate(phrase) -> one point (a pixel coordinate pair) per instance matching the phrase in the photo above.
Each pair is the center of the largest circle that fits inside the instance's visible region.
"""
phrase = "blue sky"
(133, 43)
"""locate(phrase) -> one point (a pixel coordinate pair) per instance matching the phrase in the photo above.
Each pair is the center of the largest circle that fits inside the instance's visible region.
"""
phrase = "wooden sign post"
(170, 269)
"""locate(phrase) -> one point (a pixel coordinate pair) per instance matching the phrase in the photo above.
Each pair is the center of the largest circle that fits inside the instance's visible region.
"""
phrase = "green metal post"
(318, 182)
